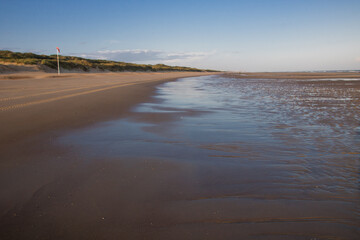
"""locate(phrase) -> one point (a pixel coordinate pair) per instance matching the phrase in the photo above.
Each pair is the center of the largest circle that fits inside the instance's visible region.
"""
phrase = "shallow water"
(249, 158)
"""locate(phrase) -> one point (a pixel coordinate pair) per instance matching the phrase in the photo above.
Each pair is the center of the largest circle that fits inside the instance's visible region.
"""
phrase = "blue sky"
(257, 35)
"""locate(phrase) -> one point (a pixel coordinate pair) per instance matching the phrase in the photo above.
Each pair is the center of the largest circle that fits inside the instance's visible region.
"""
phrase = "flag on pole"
(57, 53)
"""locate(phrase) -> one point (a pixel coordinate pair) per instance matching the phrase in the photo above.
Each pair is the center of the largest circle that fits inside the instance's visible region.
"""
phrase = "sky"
(253, 35)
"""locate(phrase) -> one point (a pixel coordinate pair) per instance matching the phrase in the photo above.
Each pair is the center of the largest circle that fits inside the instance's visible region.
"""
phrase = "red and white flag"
(58, 49)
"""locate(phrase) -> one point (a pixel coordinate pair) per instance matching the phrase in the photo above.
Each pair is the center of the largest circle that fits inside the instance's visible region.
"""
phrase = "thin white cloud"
(357, 59)
(93, 56)
(148, 56)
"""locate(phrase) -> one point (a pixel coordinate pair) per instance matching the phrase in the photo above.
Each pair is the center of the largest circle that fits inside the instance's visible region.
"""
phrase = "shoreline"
(36, 103)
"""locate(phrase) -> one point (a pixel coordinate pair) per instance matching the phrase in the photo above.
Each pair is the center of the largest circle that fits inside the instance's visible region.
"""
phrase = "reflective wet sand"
(211, 157)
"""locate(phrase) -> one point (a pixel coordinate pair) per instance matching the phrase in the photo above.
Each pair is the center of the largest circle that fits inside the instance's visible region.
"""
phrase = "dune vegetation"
(78, 63)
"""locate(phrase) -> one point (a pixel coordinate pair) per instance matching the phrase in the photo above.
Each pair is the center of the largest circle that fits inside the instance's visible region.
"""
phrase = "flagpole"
(57, 53)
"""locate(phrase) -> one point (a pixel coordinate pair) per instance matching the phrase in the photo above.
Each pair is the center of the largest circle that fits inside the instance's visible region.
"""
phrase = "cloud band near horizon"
(148, 56)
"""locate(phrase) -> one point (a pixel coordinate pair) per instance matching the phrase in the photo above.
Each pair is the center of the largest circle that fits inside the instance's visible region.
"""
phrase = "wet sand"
(121, 180)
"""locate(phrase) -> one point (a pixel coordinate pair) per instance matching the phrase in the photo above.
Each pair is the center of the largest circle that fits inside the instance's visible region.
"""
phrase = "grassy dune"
(78, 63)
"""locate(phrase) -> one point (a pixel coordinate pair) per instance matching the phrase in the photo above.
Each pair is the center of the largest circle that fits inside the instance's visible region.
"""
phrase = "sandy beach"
(68, 171)
(35, 102)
